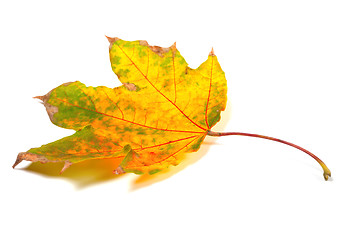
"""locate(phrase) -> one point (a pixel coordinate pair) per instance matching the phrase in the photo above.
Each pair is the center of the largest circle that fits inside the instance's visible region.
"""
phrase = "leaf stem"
(327, 172)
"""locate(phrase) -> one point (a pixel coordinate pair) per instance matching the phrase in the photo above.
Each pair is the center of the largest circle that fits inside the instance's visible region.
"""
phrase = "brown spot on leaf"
(158, 50)
(51, 110)
(143, 43)
(130, 86)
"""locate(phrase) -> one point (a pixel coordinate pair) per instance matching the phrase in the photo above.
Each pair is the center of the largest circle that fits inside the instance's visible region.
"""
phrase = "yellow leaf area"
(162, 110)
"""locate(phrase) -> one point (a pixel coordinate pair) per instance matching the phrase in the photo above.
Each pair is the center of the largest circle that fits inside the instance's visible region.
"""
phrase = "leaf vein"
(208, 99)
(160, 91)
(122, 119)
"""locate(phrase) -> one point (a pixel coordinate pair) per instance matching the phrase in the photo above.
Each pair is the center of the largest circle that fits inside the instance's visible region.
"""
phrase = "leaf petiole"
(327, 172)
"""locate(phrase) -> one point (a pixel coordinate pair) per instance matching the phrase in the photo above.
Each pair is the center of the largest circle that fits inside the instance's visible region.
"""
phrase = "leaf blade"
(162, 110)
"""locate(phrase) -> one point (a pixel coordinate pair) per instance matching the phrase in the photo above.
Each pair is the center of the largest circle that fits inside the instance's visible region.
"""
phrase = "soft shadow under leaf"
(82, 174)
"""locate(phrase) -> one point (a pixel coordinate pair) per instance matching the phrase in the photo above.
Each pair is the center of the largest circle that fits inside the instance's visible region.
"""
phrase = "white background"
(292, 69)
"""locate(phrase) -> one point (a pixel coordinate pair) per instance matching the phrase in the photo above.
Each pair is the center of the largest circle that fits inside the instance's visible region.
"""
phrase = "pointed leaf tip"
(29, 157)
(42, 98)
(118, 170)
(18, 159)
(66, 166)
(173, 48)
(111, 40)
(212, 52)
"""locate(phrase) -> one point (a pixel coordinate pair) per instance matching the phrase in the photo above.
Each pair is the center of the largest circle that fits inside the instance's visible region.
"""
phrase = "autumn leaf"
(162, 110)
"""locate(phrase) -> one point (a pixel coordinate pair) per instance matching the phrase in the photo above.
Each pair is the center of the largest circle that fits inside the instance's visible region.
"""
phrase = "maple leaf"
(162, 110)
